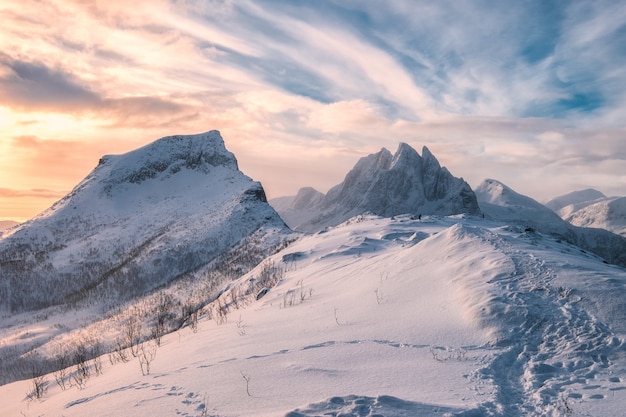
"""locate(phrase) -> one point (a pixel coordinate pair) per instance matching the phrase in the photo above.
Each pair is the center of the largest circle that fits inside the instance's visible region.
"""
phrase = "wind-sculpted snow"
(453, 316)
(135, 223)
(381, 406)
(386, 185)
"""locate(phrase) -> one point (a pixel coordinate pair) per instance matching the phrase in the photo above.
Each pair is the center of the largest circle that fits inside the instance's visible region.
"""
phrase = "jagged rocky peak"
(389, 185)
(169, 155)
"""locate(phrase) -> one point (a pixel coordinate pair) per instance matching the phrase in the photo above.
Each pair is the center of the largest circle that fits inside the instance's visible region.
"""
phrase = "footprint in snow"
(382, 406)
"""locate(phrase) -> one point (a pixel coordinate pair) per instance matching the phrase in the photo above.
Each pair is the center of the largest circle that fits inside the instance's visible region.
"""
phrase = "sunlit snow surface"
(453, 316)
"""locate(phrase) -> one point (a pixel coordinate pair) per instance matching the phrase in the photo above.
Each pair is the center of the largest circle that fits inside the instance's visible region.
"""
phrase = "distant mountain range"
(591, 208)
(407, 183)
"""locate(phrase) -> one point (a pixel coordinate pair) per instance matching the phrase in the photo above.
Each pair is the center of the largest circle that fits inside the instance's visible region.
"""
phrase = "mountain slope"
(457, 316)
(387, 185)
(590, 208)
(573, 198)
(135, 223)
(501, 203)
(609, 214)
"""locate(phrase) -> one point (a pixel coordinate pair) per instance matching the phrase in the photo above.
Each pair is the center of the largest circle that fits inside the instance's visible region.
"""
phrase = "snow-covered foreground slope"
(379, 317)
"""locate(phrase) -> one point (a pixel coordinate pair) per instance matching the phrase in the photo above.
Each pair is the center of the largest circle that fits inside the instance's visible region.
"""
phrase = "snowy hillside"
(385, 185)
(148, 237)
(135, 223)
(609, 214)
(575, 197)
(499, 202)
(443, 316)
(590, 208)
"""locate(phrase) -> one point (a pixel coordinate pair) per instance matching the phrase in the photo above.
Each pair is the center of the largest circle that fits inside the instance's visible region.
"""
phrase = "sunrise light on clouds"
(531, 93)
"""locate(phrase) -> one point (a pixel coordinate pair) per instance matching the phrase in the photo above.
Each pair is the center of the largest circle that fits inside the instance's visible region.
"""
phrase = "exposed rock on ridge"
(387, 185)
(136, 222)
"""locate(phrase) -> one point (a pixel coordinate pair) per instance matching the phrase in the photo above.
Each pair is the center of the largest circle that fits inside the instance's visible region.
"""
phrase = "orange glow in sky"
(300, 92)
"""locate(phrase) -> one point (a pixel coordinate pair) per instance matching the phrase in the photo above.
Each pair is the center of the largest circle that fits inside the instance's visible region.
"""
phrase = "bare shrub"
(220, 312)
(162, 314)
(39, 382)
(380, 298)
(132, 332)
(146, 354)
(61, 362)
(241, 327)
(246, 377)
(120, 353)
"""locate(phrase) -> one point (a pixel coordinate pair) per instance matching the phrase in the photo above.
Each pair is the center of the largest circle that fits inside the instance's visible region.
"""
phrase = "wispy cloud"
(33, 86)
(37, 193)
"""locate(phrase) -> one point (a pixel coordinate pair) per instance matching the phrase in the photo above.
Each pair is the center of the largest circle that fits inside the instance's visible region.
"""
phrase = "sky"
(531, 93)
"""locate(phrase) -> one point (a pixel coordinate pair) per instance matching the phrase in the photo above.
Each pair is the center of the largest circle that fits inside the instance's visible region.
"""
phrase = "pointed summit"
(135, 223)
(429, 159)
(389, 185)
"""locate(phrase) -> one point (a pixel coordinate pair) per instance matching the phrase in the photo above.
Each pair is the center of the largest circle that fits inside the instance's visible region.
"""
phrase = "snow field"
(395, 317)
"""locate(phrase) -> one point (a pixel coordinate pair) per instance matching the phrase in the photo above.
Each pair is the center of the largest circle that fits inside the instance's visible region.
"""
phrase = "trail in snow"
(474, 319)
(555, 352)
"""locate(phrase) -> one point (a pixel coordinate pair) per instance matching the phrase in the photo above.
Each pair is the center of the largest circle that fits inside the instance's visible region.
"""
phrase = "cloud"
(513, 91)
(36, 193)
(33, 85)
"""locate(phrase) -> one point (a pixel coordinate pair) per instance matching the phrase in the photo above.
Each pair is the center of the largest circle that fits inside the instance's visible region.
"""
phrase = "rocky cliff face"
(388, 185)
(136, 222)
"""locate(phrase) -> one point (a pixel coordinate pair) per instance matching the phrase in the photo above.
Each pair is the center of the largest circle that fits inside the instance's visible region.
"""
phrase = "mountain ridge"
(500, 202)
(385, 184)
(136, 222)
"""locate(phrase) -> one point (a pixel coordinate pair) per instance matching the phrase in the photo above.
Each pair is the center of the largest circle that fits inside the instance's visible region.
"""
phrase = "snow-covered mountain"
(573, 198)
(499, 202)
(609, 214)
(135, 223)
(385, 185)
(299, 209)
(443, 316)
(591, 208)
